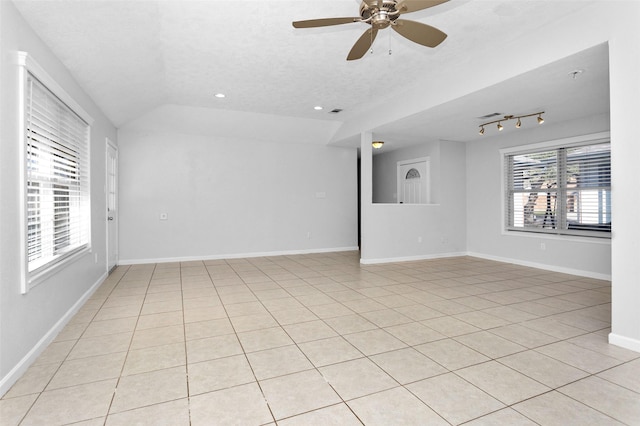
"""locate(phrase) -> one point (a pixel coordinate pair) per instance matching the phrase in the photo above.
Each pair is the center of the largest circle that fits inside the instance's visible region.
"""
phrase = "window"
(56, 173)
(561, 190)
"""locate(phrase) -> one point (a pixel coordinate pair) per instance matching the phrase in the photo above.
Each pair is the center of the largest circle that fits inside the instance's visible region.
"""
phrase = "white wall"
(624, 69)
(28, 322)
(227, 196)
(385, 171)
(485, 218)
(395, 232)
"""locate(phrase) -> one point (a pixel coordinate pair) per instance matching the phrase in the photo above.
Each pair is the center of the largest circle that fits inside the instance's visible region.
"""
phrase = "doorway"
(413, 181)
(112, 205)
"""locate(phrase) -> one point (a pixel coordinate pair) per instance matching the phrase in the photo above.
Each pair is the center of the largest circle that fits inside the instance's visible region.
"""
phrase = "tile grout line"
(115, 391)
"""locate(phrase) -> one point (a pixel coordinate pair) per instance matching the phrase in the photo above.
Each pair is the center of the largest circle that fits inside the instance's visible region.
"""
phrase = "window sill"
(588, 239)
(39, 276)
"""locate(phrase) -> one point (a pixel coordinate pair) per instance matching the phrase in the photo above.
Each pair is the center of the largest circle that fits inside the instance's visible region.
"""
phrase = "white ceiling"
(132, 56)
(551, 88)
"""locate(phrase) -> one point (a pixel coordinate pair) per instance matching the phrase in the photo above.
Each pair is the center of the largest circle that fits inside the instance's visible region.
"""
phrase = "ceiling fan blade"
(363, 44)
(408, 6)
(312, 23)
(418, 32)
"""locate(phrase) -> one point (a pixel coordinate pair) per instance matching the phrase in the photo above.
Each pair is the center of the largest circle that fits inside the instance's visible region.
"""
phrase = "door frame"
(109, 144)
(400, 178)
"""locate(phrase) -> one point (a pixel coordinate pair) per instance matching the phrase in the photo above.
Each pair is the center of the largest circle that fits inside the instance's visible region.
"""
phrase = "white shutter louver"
(57, 179)
(564, 190)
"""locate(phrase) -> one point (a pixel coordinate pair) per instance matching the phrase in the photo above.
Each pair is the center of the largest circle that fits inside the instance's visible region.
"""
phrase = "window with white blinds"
(563, 190)
(57, 178)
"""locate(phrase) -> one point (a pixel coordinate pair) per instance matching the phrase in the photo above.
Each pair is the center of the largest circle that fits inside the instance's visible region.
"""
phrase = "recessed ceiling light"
(219, 95)
(318, 108)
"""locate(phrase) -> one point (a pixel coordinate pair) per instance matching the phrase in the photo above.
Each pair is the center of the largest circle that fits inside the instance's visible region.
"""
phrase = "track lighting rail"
(511, 117)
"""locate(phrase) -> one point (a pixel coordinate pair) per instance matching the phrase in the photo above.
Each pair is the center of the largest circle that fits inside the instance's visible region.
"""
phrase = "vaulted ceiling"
(133, 56)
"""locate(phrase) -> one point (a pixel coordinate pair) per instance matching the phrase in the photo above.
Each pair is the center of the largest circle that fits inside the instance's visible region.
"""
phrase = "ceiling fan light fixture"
(377, 144)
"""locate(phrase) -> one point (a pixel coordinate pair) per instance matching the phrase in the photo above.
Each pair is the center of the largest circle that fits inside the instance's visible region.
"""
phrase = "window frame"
(28, 66)
(572, 142)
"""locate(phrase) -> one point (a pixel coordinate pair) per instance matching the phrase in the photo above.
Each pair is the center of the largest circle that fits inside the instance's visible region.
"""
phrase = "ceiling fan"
(380, 14)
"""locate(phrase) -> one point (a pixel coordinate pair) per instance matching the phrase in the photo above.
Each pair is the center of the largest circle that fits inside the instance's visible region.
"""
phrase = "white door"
(413, 181)
(112, 206)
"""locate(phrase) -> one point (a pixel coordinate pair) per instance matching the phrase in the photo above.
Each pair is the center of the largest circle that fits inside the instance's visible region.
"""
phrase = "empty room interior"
(391, 212)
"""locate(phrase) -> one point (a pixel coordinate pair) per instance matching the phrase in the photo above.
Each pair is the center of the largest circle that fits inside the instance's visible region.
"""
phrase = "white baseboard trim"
(553, 268)
(234, 256)
(543, 266)
(410, 258)
(16, 372)
(624, 342)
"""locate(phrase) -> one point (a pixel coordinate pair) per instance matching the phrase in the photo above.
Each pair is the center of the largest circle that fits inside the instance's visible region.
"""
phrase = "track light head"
(540, 119)
(518, 123)
(500, 127)
(481, 130)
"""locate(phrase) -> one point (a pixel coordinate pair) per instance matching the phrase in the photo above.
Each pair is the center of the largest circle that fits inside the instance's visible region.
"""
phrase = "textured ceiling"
(551, 88)
(136, 55)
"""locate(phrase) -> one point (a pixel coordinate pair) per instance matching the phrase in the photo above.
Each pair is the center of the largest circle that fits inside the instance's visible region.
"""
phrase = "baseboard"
(543, 266)
(546, 267)
(16, 372)
(624, 342)
(410, 258)
(234, 256)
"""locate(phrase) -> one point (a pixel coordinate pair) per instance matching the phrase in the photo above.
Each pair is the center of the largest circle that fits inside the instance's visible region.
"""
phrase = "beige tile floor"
(322, 340)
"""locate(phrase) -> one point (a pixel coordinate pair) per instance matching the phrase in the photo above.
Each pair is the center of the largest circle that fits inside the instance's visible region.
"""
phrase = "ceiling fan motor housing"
(379, 17)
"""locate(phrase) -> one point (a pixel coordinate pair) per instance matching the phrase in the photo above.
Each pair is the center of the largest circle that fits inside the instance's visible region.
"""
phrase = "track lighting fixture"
(512, 117)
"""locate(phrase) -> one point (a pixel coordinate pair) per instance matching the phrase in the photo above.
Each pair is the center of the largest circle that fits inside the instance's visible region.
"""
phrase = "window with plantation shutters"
(56, 176)
(560, 190)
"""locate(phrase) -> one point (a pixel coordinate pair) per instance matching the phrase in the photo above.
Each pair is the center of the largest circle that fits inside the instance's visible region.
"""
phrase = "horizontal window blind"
(563, 190)
(588, 186)
(57, 179)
